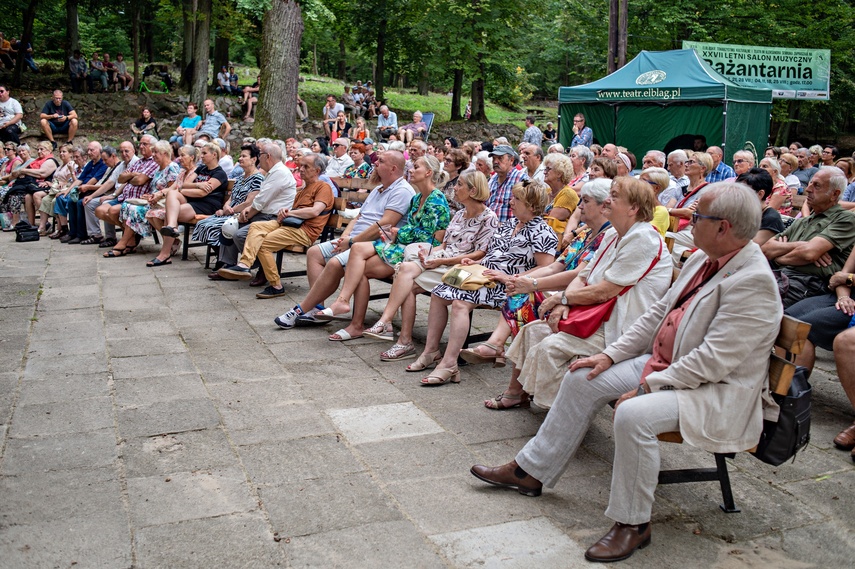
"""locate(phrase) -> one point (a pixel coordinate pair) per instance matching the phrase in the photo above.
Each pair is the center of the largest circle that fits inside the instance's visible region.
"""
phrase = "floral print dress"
(420, 227)
(135, 215)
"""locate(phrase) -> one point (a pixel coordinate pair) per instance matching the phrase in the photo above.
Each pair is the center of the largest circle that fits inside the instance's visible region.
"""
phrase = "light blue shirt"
(396, 197)
(392, 121)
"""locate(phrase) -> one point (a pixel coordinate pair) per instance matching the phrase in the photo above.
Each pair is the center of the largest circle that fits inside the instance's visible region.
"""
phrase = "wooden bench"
(188, 227)
(791, 340)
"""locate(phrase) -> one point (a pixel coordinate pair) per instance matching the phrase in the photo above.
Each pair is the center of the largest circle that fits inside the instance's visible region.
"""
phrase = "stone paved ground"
(152, 418)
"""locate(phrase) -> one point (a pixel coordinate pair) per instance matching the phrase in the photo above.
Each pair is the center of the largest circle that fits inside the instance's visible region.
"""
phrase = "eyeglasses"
(688, 162)
(578, 120)
(739, 161)
(337, 145)
(651, 182)
(260, 154)
(697, 216)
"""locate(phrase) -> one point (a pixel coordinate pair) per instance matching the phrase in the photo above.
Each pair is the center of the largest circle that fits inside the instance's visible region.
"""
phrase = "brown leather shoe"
(509, 475)
(620, 543)
(259, 279)
(846, 439)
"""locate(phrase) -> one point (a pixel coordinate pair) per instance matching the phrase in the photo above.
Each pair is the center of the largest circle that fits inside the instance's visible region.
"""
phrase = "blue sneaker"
(286, 321)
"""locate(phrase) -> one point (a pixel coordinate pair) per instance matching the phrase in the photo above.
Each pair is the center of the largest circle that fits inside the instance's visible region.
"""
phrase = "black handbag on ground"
(781, 440)
(24, 232)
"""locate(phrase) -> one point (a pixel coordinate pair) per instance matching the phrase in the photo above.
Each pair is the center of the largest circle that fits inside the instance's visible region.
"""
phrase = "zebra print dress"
(208, 230)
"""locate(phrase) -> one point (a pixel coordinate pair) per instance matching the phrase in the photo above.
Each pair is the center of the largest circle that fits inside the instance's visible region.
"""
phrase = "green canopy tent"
(662, 95)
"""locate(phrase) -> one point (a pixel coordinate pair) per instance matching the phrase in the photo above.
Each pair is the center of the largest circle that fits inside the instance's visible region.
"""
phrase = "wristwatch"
(350, 242)
(849, 279)
(534, 283)
(564, 299)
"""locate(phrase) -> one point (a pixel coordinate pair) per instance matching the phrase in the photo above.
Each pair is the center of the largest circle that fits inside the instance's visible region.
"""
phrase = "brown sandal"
(522, 402)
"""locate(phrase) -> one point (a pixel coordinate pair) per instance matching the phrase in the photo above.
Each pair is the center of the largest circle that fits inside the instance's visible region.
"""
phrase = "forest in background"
(512, 49)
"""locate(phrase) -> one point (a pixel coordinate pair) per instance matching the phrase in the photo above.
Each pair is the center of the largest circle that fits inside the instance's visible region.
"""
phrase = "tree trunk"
(424, 82)
(792, 118)
(381, 55)
(201, 52)
(221, 56)
(613, 33)
(72, 30)
(478, 114)
(621, 40)
(456, 95)
(280, 70)
(26, 39)
(188, 8)
(314, 58)
(342, 59)
(135, 34)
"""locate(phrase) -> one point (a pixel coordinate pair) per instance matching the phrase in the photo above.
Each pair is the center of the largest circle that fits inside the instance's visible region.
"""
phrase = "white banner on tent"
(791, 73)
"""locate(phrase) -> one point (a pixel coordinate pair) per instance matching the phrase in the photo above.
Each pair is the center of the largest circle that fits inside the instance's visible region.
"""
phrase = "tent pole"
(724, 133)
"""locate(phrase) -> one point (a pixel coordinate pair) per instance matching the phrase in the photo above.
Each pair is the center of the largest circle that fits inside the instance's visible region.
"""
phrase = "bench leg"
(185, 247)
(728, 506)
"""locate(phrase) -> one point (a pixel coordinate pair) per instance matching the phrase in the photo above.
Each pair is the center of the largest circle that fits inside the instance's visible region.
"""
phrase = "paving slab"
(157, 500)
(146, 391)
(383, 422)
(234, 540)
(167, 417)
(94, 449)
(62, 417)
(61, 388)
(191, 451)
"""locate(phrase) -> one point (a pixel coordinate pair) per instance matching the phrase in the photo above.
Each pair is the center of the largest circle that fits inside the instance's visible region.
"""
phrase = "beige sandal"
(425, 361)
(441, 376)
(473, 356)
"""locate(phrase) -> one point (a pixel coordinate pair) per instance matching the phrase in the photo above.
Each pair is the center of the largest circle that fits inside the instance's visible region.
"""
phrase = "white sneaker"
(287, 320)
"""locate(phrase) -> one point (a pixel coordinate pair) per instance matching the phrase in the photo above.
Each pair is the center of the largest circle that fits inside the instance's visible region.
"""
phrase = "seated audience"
(330, 114)
(77, 71)
(325, 263)
(658, 180)
(341, 128)
(223, 85)
(44, 198)
(581, 158)
(698, 167)
(455, 162)
(214, 124)
(503, 181)
(58, 116)
(209, 230)
(145, 124)
(199, 194)
(360, 131)
(563, 198)
(815, 247)
(387, 123)
(692, 378)
(312, 204)
(760, 181)
(124, 80)
(96, 73)
(349, 102)
(526, 290)
(532, 160)
(135, 213)
(339, 161)
(68, 206)
(520, 244)
(187, 129)
(467, 237)
(632, 255)
(416, 129)
(780, 198)
(424, 227)
(677, 170)
(107, 192)
(25, 182)
(360, 168)
(250, 98)
(11, 115)
(233, 83)
(302, 110)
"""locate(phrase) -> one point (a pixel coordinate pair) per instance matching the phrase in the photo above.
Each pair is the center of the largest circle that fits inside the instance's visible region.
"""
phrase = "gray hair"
(318, 161)
(748, 155)
(189, 150)
(484, 156)
(658, 155)
(837, 180)
(584, 153)
(557, 147)
(776, 166)
(161, 146)
(599, 189)
(536, 150)
(152, 141)
(679, 156)
(738, 204)
(397, 145)
(109, 151)
(658, 175)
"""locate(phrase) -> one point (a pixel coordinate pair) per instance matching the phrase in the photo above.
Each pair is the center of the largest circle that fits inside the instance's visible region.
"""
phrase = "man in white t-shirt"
(11, 114)
(386, 204)
(331, 110)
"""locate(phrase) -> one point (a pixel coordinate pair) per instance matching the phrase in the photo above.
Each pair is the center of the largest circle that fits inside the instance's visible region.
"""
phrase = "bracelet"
(839, 298)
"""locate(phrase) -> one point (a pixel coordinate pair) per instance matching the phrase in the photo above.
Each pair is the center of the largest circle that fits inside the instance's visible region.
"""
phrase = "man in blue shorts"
(58, 116)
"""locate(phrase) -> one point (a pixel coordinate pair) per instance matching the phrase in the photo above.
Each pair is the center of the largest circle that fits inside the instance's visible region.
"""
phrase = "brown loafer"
(509, 475)
(259, 279)
(620, 543)
(845, 440)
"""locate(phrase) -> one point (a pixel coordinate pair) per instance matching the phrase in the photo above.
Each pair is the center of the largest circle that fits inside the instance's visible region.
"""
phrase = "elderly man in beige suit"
(692, 363)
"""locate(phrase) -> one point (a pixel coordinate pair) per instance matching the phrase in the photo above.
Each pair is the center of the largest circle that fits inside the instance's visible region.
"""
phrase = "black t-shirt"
(62, 110)
(219, 194)
(771, 221)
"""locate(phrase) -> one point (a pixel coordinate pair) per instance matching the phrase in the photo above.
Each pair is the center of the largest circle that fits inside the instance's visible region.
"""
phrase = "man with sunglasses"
(11, 114)
(677, 368)
(340, 160)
